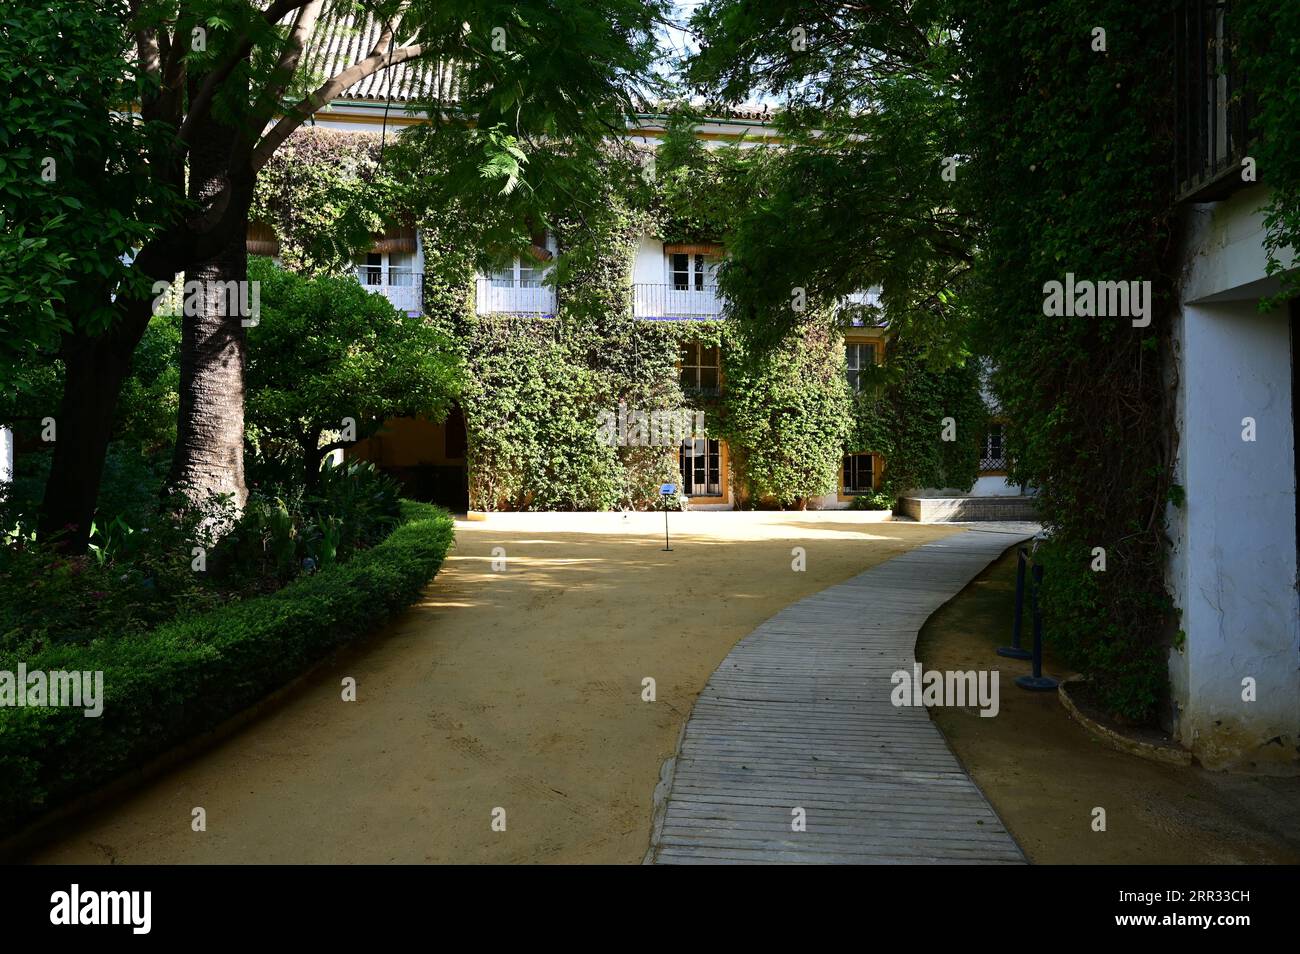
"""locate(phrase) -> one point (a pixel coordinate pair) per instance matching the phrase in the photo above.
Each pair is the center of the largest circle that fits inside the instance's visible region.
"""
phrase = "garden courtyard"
(516, 683)
(516, 688)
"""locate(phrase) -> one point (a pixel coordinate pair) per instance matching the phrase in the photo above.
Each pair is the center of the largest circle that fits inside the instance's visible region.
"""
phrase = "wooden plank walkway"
(799, 715)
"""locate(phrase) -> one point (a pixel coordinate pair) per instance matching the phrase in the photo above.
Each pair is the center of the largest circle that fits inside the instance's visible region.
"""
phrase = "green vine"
(1070, 174)
(536, 387)
(1269, 51)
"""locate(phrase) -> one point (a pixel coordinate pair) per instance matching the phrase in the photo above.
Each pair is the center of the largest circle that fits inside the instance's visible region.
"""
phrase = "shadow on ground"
(1045, 774)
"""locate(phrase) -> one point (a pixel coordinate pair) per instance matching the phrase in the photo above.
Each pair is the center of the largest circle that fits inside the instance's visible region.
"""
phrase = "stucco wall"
(648, 267)
(1233, 567)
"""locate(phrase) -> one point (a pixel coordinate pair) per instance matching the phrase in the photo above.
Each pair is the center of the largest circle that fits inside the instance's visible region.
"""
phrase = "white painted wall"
(648, 268)
(996, 487)
(6, 455)
(1233, 567)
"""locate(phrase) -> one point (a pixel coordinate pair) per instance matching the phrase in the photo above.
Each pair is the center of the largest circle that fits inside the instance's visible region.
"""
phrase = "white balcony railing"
(402, 286)
(529, 298)
(671, 301)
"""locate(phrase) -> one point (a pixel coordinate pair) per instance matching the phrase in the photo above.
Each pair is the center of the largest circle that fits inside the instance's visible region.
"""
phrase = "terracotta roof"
(339, 41)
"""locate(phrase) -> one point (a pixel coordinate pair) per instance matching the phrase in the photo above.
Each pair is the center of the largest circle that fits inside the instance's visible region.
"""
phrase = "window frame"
(712, 466)
(853, 351)
(989, 463)
(697, 271)
(695, 368)
(855, 490)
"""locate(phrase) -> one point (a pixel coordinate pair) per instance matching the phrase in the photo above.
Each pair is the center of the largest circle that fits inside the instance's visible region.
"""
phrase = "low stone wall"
(955, 509)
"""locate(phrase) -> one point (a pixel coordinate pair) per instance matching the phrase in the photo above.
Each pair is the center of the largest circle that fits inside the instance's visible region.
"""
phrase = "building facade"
(1235, 668)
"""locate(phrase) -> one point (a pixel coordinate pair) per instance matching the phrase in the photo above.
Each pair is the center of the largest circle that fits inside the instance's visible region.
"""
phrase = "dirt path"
(519, 689)
(1045, 774)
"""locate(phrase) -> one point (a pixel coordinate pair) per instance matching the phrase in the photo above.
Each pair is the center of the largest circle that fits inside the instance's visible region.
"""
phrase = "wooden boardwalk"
(799, 716)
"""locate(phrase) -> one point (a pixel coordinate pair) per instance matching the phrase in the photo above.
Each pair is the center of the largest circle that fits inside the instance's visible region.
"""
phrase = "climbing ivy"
(787, 414)
(1069, 172)
(536, 387)
(1269, 49)
(906, 412)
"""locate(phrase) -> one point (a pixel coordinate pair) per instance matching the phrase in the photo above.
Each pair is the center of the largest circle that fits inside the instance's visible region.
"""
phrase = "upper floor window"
(701, 368)
(1215, 107)
(858, 356)
(687, 271)
(523, 272)
(396, 275)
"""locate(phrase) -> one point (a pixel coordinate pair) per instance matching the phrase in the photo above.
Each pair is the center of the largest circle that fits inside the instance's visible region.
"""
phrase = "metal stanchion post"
(1014, 650)
(1037, 682)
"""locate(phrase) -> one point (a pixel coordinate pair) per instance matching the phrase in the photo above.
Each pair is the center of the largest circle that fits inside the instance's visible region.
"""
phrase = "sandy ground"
(518, 689)
(1045, 774)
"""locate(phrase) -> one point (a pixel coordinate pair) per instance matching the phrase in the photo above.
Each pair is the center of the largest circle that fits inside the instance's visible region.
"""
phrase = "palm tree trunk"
(209, 454)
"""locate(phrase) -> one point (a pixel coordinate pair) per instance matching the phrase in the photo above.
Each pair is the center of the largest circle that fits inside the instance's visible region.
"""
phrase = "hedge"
(187, 677)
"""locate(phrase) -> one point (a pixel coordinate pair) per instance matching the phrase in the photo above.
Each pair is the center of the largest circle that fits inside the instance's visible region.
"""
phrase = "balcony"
(675, 303)
(1214, 106)
(494, 297)
(404, 287)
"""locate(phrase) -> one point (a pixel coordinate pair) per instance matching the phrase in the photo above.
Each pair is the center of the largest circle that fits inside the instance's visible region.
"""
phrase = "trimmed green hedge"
(187, 677)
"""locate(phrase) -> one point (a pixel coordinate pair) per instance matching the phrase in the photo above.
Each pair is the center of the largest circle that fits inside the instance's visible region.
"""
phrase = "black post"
(667, 548)
(1037, 682)
(1014, 651)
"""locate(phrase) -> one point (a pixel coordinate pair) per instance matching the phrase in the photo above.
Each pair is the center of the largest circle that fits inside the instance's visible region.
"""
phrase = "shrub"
(326, 350)
(139, 571)
(186, 677)
(876, 501)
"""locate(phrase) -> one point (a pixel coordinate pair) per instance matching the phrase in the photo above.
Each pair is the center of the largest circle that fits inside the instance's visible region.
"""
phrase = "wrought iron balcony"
(404, 287)
(497, 297)
(677, 302)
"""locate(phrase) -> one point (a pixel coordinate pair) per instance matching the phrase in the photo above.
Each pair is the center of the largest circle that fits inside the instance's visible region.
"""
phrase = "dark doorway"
(456, 440)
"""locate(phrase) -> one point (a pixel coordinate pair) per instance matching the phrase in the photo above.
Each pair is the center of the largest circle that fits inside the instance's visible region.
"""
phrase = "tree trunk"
(94, 371)
(311, 457)
(209, 455)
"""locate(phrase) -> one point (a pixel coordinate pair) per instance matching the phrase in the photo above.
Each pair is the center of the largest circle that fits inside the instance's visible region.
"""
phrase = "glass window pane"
(680, 265)
(708, 379)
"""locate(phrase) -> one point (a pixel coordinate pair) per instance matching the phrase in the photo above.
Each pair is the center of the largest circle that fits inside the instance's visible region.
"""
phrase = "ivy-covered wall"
(536, 387)
(787, 414)
(1071, 175)
(909, 413)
